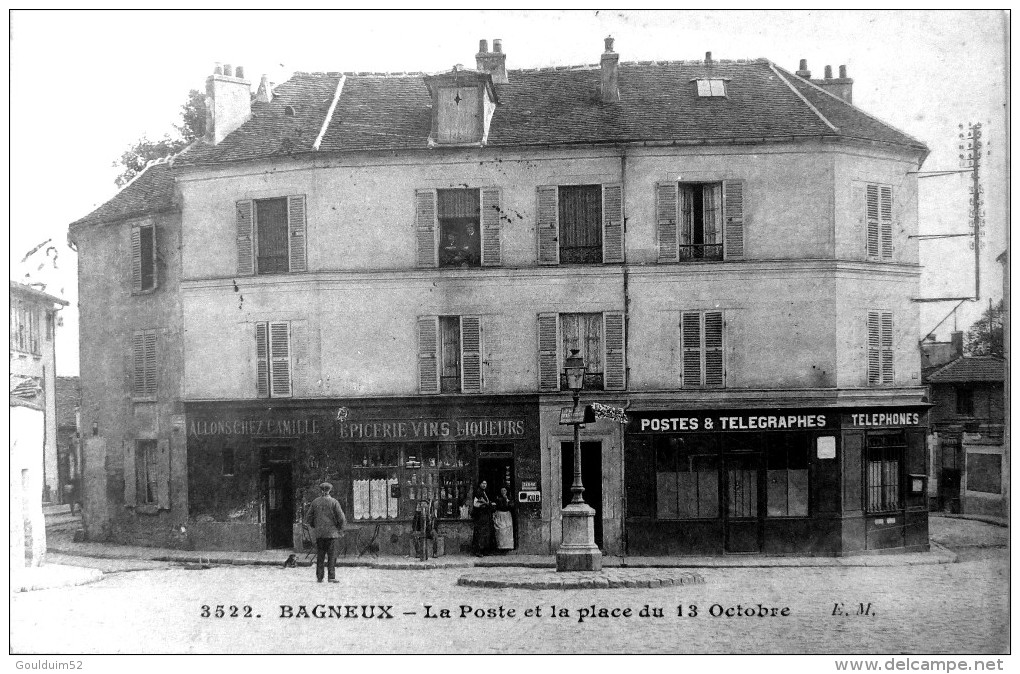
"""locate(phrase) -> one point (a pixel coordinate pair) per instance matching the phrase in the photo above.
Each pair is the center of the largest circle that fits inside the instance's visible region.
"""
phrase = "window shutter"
(136, 259)
(262, 360)
(296, 227)
(492, 214)
(887, 347)
(425, 222)
(874, 347)
(548, 225)
(163, 475)
(871, 217)
(714, 374)
(428, 357)
(299, 357)
(615, 362)
(471, 354)
(138, 361)
(885, 221)
(733, 214)
(686, 221)
(279, 360)
(245, 238)
(612, 222)
(666, 216)
(690, 345)
(149, 347)
(130, 476)
(548, 361)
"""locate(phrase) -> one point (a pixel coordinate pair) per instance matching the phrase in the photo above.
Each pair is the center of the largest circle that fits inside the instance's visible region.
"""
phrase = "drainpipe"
(626, 346)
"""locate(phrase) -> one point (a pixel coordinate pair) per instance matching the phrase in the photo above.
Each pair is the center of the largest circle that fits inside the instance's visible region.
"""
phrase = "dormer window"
(711, 87)
(463, 102)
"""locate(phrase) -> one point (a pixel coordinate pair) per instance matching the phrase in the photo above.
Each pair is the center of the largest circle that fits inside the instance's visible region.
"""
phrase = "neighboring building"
(373, 279)
(68, 438)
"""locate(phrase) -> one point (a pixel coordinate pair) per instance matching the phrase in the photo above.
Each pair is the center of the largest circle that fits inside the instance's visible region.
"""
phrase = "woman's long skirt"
(482, 539)
(504, 526)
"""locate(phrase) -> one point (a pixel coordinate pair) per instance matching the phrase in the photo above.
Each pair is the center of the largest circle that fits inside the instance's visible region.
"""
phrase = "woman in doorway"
(481, 511)
(502, 521)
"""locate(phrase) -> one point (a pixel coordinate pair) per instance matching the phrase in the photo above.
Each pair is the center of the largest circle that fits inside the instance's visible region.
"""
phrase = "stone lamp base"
(578, 551)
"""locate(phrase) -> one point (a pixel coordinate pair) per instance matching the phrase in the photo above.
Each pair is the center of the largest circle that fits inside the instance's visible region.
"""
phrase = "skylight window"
(711, 87)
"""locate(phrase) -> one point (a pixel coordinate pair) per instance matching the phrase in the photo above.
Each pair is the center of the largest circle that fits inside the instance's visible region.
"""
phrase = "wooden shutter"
(130, 476)
(686, 225)
(874, 347)
(615, 365)
(666, 221)
(548, 361)
(733, 216)
(296, 230)
(163, 474)
(262, 360)
(138, 364)
(299, 357)
(714, 372)
(690, 346)
(425, 223)
(428, 354)
(887, 347)
(871, 209)
(279, 360)
(245, 238)
(492, 214)
(149, 343)
(471, 354)
(885, 221)
(548, 225)
(136, 259)
(612, 222)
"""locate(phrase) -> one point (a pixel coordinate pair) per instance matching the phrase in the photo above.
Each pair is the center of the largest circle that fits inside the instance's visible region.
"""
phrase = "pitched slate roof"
(150, 191)
(560, 106)
(970, 369)
(68, 398)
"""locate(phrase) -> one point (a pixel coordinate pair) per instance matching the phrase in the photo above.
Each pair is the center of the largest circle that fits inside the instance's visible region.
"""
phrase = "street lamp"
(577, 551)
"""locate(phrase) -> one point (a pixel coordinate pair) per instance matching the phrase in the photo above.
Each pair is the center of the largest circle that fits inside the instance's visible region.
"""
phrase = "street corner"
(606, 579)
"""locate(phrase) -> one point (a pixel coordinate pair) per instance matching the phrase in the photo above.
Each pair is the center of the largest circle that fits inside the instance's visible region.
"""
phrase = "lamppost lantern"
(573, 369)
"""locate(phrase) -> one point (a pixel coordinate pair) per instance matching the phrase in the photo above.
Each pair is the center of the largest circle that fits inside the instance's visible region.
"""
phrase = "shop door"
(591, 478)
(278, 502)
(498, 471)
(744, 526)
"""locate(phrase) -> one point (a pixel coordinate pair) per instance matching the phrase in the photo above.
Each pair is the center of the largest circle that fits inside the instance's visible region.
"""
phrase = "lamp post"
(577, 551)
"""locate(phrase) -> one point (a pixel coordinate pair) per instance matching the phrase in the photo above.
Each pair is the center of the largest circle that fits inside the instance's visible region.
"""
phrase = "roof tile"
(970, 368)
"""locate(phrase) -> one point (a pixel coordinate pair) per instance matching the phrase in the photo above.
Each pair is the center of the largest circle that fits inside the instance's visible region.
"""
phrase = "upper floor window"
(701, 342)
(460, 244)
(711, 87)
(271, 235)
(880, 348)
(458, 227)
(272, 355)
(144, 365)
(964, 401)
(878, 213)
(26, 328)
(449, 354)
(460, 115)
(700, 221)
(599, 337)
(580, 224)
(143, 258)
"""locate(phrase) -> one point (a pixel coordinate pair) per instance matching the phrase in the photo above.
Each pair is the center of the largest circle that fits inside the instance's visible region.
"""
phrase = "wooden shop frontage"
(825, 481)
(254, 466)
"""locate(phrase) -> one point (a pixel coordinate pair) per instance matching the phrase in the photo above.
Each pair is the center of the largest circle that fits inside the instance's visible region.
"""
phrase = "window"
(272, 351)
(146, 472)
(449, 354)
(26, 327)
(711, 87)
(878, 213)
(787, 474)
(701, 343)
(144, 365)
(584, 333)
(227, 457)
(700, 221)
(143, 258)
(580, 224)
(686, 477)
(271, 235)
(600, 339)
(51, 319)
(459, 220)
(880, 348)
(964, 401)
(460, 115)
(885, 456)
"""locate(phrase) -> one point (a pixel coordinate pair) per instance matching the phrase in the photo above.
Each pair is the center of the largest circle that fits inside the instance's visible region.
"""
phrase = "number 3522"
(223, 611)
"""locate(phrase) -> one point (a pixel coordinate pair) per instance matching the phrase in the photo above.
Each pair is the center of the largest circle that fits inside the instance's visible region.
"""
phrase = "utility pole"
(971, 150)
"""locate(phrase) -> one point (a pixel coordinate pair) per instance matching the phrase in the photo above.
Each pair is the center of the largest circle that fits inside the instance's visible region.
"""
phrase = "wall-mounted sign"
(431, 429)
(827, 447)
(271, 427)
(529, 485)
(529, 497)
(666, 422)
(884, 418)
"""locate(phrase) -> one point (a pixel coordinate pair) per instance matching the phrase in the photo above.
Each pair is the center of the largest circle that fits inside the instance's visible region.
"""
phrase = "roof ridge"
(802, 97)
(329, 113)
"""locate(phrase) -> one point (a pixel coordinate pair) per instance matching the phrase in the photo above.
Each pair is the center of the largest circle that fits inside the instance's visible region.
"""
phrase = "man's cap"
(326, 485)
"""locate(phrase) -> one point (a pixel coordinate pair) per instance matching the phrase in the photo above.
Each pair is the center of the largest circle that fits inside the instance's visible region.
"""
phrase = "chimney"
(956, 341)
(610, 74)
(493, 62)
(265, 92)
(228, 102)
(804, 72)
(841, 87)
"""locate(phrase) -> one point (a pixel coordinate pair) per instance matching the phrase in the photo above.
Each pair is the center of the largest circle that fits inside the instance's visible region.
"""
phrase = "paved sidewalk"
(49, 576)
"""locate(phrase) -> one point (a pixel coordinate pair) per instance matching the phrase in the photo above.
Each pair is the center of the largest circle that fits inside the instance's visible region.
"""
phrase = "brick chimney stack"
(228, 102)
(841, 87)
(956, 341)
(492, 62)
(265, 91)
(610, 63)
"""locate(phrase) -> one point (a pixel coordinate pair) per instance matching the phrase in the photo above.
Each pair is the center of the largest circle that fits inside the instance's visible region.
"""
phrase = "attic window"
(289, 111)
(711, 87)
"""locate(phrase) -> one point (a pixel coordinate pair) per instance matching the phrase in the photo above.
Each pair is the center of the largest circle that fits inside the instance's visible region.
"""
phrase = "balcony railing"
(702, 251)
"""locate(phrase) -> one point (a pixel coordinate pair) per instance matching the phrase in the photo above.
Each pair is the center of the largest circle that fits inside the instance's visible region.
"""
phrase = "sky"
(86, 84)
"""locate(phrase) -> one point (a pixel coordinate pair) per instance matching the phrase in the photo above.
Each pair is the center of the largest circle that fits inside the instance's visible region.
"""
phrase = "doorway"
(277, 494)
(743, 503)
(591, 478)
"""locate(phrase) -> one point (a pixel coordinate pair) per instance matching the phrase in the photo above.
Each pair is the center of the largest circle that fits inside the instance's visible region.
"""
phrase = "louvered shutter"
(548, 225)
(874, 348)
(163, 474)
(299, 357)
(279, 360)
(296, 229)
(492, 213)
(885, 221)
(149, 347)
(887, 347)
(871, 216)
(612, 222)
(262, 360)
(734, 220)
(428, 354)
(548, 361)
(690, 346)
(425, 224)
(136, 259)
(615, 360)
(138, 364)
(471, 354)
(130, 475)
(714, 374)
(666, 221)
(245, 238)
(686, 224)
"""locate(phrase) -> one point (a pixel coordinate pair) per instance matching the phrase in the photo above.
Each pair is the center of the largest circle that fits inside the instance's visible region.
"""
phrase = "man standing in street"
(326, 520)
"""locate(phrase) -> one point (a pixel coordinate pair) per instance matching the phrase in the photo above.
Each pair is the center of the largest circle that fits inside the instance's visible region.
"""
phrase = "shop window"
(146, 472)
(271, 235)
(272, 355)
(580, 224)
(701, 341)
(787, 477)
(878, 213)
(686, 478)
(700, 221)
(144, 365)
(884, 471)
(964, 401)
(449, 354)
(143, 258)
(459, 221)
(880, 348)
(228, 458)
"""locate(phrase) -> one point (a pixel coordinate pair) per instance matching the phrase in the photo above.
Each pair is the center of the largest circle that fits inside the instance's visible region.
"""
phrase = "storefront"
(826, 481)
(253, 467)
